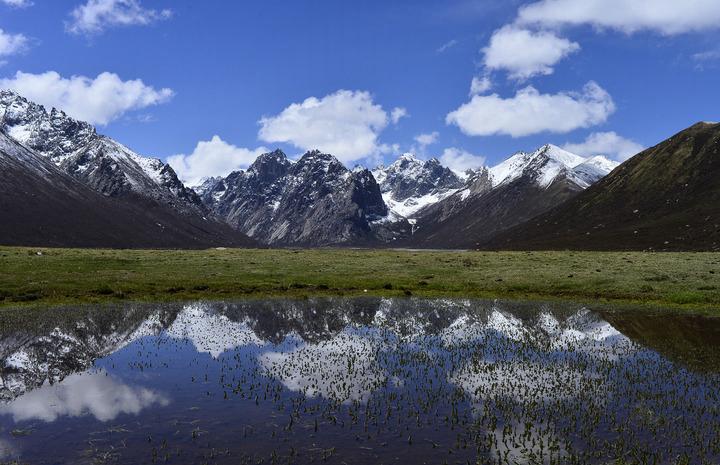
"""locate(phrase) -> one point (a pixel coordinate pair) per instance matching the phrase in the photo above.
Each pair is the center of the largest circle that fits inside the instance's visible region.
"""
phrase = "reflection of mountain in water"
(56, 346)
(514, 380)
(31, 358)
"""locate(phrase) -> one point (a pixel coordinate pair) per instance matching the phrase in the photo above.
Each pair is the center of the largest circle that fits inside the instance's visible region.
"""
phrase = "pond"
(358, 381)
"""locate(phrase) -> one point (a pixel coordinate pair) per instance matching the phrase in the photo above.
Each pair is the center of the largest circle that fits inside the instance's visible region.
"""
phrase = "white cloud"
(97, 101)
(524, 53)
(427, 139)
(17, 3)
(345, 124)
(447, 46)
(12, 44)
(397, 114)
(95, 394)
(212, 158)
(460, 160)
(480, 85)
(606, 143)
(97, 15)
(665, 16)
(388, 149)
(530, 112)
(707, 56)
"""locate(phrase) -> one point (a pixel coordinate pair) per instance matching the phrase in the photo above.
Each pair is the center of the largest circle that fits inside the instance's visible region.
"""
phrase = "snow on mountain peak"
(545, 164)
(98, 161)
(410, 184)
(567, 159)
(408, 157)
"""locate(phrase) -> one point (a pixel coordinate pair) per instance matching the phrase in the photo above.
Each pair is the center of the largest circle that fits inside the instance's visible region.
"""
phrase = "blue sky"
(217, 68)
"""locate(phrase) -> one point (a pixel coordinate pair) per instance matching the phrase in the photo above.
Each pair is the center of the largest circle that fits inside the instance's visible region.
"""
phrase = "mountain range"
(63, 184)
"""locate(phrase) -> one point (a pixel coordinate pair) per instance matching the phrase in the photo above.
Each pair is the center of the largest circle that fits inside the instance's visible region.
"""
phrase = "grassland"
(38, 277)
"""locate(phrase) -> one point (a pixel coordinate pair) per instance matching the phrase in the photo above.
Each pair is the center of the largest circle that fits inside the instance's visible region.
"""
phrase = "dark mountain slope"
(488, 213)
(40, 205)
(665, 198)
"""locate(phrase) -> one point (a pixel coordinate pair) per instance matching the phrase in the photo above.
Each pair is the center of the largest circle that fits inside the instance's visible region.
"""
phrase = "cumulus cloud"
(12, 44)
(96, 394)
(606, 143)
(460, 160)
(397, 114)
(95, 16)
(97, 101)
(480, 85)
(214, 157)
(346, 124)
(530, 112)
(17, 3)
(524, 53)
(427, 139)
(664, 16)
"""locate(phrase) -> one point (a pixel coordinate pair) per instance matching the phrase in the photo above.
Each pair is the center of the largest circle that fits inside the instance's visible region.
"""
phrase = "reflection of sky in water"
(482, 382)
(96, 394)
(342, 368)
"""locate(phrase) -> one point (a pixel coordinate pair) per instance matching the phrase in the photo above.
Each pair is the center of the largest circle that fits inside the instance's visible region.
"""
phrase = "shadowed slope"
(665, 198)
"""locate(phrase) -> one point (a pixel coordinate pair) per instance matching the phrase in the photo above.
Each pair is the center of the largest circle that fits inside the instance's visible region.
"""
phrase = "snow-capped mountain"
(509, 193)
(410, 184)
(313, 201)
(98, 161)
(318, 201)
(548, 163)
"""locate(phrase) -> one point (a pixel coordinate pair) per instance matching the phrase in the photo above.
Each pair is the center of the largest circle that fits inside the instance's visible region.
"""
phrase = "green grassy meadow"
(38, 276)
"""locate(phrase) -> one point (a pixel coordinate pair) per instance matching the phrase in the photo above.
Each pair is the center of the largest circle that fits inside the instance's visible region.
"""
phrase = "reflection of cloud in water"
(95, 394)
(342, 368)
(210, 332)
(466, 330)
(532, 365)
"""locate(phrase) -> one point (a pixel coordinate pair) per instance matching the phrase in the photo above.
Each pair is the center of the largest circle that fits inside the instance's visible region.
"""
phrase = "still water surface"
(359, 381)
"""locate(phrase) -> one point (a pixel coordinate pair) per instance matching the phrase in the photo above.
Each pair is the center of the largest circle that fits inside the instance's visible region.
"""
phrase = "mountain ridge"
(665, 198)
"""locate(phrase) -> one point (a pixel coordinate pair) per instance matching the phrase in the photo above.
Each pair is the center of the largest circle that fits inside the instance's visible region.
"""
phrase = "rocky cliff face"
(409, 185)
(314, 201)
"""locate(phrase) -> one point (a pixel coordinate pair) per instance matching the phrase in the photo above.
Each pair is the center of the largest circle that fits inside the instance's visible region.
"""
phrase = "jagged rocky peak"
(366, 193)
(410, 184)
(316, 162)
(53, 133)
(270, 166)
(478, 181)
(315, 200)
(409, 177)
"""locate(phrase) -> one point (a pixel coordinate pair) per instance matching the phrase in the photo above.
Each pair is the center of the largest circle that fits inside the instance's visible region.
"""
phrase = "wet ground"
(359, 381)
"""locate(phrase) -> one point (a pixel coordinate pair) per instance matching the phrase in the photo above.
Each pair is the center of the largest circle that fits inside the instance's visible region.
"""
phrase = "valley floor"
(38, 277)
